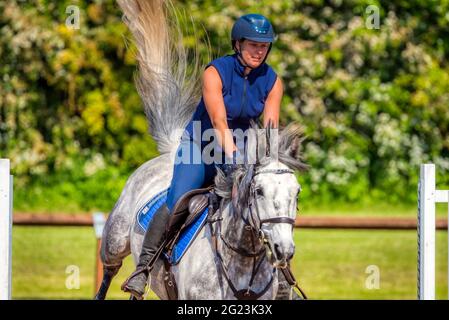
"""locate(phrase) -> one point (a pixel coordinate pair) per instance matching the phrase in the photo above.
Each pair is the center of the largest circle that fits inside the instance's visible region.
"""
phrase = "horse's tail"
(168, 88)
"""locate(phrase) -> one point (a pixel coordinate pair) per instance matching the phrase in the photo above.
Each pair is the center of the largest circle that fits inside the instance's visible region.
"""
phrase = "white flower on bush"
(95, 164)
(416, 152)
(387, 135)
(316, 177)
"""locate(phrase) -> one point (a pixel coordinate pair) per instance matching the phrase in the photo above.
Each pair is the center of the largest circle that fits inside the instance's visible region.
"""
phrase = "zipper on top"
(244, 96)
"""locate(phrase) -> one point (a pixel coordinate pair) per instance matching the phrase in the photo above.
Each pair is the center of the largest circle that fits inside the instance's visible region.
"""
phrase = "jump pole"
(6, 197)
(428, 195)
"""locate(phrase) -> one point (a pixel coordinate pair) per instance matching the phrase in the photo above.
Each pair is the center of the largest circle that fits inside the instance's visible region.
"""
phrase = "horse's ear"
(267, 138)
(251, 147)
(272, 140)
(261, 144)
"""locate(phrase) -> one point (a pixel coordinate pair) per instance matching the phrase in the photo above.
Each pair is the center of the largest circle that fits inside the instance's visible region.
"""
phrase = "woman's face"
(253, 52)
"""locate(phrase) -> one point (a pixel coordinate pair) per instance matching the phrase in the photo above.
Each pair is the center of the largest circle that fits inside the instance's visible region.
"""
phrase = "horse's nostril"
(278, 252)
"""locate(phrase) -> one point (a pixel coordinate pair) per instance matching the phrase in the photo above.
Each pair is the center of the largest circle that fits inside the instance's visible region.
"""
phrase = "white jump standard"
(427, 197)
(5, 229)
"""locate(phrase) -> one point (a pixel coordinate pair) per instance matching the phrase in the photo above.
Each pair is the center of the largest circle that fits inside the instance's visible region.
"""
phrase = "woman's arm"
(213, 99)
(273, 104)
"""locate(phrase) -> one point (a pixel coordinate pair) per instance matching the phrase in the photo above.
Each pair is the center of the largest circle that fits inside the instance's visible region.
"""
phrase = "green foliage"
(88, 186)
(66, 93)
(373, 102)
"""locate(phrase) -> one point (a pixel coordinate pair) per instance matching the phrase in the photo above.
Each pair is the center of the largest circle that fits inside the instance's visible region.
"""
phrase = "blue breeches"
(189, 172)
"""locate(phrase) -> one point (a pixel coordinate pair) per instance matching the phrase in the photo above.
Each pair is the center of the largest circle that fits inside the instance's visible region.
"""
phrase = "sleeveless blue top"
(244, 96)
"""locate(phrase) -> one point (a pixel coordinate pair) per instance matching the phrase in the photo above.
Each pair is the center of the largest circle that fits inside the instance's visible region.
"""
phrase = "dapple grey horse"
(259, 200)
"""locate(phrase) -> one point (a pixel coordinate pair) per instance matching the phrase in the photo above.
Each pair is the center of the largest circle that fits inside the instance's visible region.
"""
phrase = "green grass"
(330, 264)
(42, 257)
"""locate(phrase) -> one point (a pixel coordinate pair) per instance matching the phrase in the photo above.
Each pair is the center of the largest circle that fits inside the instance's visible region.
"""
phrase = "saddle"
(186, 209)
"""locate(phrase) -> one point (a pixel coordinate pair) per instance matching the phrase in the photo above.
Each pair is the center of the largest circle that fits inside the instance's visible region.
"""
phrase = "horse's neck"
(231, 228)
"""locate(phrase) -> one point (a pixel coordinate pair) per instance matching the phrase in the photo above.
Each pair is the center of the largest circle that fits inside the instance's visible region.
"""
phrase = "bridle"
(254, 212)
(254, 225)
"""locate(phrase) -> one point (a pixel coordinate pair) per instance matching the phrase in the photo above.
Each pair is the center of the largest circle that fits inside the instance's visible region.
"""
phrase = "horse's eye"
(259, 192)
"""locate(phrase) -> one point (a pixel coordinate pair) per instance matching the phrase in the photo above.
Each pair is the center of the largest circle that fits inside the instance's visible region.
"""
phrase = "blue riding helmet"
(253, 27)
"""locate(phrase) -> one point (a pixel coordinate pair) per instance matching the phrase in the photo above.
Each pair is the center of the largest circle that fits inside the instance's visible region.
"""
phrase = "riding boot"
(153, 239)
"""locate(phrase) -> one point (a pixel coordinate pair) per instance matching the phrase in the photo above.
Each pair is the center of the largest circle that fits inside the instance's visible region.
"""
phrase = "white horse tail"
(169, 89)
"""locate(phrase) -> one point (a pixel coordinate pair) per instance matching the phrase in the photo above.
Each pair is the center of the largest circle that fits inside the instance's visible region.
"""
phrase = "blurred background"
(368, 80)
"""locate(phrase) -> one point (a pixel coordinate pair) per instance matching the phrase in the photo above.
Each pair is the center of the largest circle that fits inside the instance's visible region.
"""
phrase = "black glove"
(228, 168)
(230, 164)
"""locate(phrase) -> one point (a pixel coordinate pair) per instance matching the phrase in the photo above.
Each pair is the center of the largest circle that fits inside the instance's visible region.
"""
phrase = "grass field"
(330, 264)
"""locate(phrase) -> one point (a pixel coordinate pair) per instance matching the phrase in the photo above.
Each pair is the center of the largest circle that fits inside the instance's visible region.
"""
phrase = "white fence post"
(427, 197)
(6, 196)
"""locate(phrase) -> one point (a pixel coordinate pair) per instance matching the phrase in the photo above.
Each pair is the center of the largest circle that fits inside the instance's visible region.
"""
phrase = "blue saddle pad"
(147, 212)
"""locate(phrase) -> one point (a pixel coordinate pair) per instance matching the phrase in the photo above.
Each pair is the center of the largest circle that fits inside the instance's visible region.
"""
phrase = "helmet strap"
(268, 52)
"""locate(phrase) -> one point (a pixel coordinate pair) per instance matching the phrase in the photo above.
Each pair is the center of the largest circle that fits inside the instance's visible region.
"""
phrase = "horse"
(239, 252)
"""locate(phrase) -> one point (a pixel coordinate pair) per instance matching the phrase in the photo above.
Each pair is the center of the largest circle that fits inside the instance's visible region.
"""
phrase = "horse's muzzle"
(279, 254)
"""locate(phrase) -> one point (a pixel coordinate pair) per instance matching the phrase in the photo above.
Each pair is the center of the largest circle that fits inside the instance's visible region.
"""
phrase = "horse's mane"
(290, 139)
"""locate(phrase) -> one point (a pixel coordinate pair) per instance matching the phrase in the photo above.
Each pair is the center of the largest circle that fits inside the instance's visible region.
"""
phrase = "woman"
(236, 88)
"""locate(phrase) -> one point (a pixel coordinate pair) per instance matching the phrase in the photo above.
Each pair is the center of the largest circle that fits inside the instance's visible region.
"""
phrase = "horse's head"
(265, 191)
(272, 210)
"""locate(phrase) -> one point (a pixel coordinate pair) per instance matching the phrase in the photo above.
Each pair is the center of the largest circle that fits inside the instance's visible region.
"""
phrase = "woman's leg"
(187, 176)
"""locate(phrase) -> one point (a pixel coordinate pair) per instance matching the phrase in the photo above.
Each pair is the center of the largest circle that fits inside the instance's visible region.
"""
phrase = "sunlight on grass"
(332, 264)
